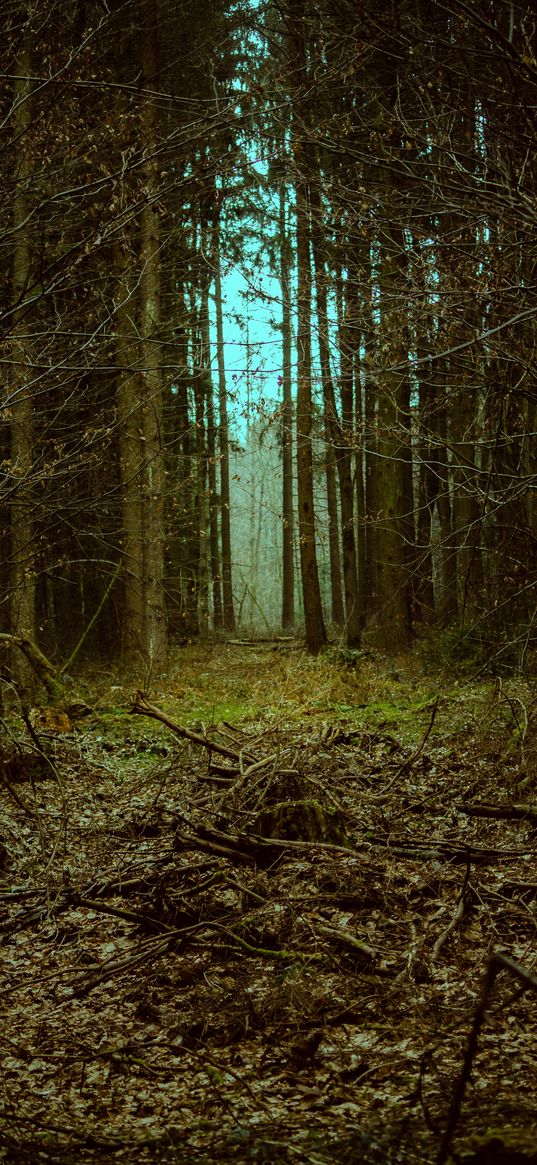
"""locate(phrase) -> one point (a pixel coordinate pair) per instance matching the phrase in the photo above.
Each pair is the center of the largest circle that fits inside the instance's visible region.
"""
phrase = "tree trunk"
(156, 631)
(466, 515)
(348, 343)
(391, 492)
(228, 613)
(212, 498)
(335, 456)
(361, 524)
(201, 519)
(288, 521)
(370, 462)
(185, 504)
(23, 574)
(313, 611)
(129, 409)
(334, 526)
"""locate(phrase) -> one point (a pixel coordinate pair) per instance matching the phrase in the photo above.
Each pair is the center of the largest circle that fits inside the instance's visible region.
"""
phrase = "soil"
(270, 943)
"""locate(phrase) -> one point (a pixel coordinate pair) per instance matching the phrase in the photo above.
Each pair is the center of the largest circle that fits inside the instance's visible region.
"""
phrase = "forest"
(268, 570)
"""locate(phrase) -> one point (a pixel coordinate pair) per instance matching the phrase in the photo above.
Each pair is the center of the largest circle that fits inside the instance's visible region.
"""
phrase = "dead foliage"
(267, 943)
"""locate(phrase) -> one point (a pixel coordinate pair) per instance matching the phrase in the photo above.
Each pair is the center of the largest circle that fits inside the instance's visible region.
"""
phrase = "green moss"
(232, 711)
(407, 719)
(302, 821)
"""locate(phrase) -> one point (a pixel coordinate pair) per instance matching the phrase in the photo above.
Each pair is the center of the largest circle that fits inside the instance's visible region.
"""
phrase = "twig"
(89, 627)
(459, 914)
(407, 764)
(15, 796)
(256, 767)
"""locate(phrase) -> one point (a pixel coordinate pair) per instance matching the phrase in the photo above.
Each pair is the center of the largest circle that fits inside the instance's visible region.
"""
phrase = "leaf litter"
(273, 955)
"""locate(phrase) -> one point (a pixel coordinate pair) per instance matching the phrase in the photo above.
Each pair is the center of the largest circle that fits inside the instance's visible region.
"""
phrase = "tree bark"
(361, 524)
(391, 494)
(313, 611)
(288, 521)
(348, 343)
(335, 457)
(23, 573)
(212, 499)
(201, 515)
(228, 612)
(131, 455)
(156, 631)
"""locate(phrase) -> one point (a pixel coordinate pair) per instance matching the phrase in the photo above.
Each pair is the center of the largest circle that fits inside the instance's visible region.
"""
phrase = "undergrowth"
(271, 684)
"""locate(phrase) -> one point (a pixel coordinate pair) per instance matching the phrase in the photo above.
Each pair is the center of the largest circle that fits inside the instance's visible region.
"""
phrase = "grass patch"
(268, 685)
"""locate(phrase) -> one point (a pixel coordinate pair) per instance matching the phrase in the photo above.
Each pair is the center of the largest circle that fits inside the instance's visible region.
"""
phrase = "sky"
(252, 346)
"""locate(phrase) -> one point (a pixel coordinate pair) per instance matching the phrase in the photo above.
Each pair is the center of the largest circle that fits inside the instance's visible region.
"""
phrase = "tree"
(414, 189)
(228, 613)
(151, 388)
(313, 611)
(22, 556)
(288, 523)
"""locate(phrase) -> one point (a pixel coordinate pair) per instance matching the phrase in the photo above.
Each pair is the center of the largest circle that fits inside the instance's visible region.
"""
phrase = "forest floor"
(267, 941)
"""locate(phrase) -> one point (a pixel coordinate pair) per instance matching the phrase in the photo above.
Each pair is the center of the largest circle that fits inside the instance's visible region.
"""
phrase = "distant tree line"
(393, 199)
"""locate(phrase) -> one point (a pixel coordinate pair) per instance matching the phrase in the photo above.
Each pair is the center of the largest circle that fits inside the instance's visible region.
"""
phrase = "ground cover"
(262, 936)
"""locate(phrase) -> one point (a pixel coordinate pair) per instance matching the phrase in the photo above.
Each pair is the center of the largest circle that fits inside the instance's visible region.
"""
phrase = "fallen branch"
(246, 773)
(496, 964)
(461, 909)
(259, 952)
(160, 944)
(138, 917)
(342, 936)
(142, 707)
(19, 801)
(502, 812)
(250, 848)
(450, 851)
(42, 667)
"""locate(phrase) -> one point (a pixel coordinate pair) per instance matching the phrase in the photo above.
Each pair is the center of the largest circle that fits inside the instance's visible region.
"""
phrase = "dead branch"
(250, 848)
(450, 851)
(43, 668)
(142, 707)
(136, 916)
(246, 773)
(496, 964)
(343, 937)
(502, 812)
(461, 909)
(19, 801)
